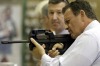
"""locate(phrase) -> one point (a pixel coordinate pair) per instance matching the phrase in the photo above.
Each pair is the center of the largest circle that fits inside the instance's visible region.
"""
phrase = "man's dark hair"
(58, 1)
(76, 6)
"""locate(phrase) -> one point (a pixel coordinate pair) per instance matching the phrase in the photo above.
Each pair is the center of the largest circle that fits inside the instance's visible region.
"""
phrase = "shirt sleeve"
(48, 61)
(82, 54)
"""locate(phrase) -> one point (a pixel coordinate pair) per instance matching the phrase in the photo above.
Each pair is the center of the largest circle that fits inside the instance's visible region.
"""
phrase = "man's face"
(75, 23)
(56, 17)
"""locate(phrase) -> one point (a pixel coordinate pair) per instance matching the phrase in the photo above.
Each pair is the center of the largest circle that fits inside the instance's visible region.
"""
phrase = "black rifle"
(46, 37)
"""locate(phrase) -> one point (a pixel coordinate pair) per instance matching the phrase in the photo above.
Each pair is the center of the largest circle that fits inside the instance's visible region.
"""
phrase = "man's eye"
(59, 12)
(51, 12)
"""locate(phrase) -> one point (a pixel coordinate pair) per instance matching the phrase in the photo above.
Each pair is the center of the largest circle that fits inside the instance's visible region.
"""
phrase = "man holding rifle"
(84, 27)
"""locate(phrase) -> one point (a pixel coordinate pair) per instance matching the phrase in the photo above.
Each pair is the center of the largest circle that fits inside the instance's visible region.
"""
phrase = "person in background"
(46, 23)
(53, 19)
(85, 29)
(7, 32)
(56, 23)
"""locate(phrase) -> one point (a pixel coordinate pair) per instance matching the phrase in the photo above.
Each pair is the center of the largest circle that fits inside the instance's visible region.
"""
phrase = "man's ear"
(82, 14)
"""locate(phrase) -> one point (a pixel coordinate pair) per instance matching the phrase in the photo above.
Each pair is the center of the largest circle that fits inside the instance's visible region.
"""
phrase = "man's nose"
(54, 16)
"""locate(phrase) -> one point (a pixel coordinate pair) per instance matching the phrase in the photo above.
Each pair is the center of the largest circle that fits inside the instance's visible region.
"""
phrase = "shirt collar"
(92, 24)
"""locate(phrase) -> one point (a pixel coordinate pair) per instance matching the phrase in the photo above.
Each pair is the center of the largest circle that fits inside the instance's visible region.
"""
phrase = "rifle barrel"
(10, 42)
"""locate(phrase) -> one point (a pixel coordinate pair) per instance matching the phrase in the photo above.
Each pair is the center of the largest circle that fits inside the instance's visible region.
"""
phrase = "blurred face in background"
(56, 17)
(46, 24)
